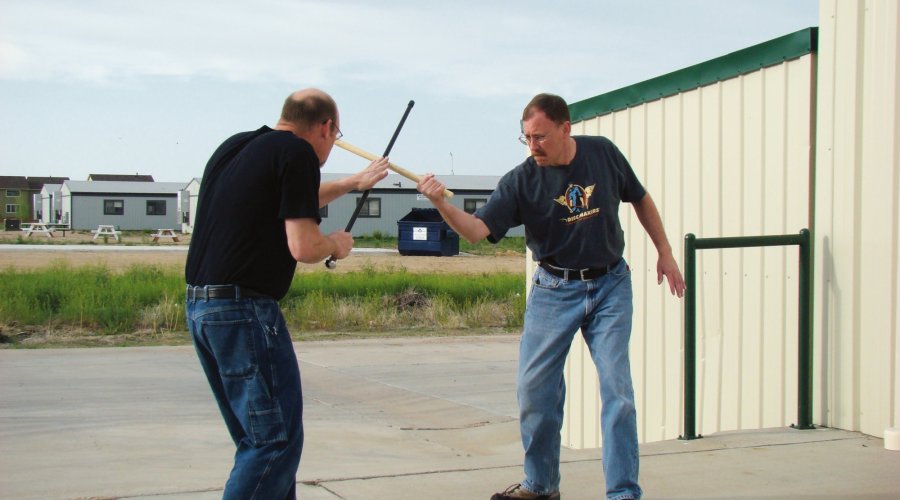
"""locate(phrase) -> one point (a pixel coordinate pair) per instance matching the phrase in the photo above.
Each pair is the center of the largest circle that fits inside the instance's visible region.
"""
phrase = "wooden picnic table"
(164, 233)
(36, 227)
(106, 231)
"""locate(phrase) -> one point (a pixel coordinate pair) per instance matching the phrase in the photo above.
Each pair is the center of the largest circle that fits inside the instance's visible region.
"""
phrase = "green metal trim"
(737, 63)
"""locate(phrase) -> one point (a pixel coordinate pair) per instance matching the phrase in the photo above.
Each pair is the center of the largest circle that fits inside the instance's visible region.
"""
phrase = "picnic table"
(164, 233)
(36, 227)
(56, 226)
(106, 231)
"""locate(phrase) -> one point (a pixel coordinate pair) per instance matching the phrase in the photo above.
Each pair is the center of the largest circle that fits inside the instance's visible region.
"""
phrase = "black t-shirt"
(252, 183)
(570, 212)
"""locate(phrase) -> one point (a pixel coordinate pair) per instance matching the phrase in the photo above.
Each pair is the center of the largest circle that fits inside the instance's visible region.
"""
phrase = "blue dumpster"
(423, 232)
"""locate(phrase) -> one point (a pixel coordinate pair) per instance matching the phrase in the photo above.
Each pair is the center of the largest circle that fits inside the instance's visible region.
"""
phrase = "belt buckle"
(194, 293)
(581, 274)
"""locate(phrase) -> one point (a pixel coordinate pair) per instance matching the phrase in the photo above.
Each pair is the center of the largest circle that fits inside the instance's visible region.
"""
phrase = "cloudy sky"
(126, 86)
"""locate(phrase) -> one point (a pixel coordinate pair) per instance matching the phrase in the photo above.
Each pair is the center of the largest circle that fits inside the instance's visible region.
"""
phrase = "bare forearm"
(666, 267)
(315, 249)
(649, 217)
(308, 245)
(467, 225)
(330, 191)
(361, 181)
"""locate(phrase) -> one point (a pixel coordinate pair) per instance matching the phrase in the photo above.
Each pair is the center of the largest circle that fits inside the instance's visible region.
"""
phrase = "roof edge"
(748, 60)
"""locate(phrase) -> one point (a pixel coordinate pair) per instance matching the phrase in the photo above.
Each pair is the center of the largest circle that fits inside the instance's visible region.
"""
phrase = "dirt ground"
(83, 250)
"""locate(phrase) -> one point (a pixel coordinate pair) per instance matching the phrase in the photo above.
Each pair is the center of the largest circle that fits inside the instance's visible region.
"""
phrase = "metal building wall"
(87, 212)
(731, 158)
(857, 237)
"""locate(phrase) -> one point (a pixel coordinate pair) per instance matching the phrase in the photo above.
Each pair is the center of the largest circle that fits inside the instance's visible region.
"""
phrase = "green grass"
(513, 245)
(145, 304)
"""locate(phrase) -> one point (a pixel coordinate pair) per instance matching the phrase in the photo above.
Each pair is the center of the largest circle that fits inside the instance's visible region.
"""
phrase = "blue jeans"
(556, 309)
(246, 351)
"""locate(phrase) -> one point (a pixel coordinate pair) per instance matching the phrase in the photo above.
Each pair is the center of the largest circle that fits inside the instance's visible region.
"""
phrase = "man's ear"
(325, 129)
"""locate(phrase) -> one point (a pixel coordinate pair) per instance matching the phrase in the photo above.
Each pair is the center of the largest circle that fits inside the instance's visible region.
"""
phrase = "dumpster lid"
(422, 215)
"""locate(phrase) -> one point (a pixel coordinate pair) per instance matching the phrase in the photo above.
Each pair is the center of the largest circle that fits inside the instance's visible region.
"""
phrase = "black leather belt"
(221, 292)
(586, 274)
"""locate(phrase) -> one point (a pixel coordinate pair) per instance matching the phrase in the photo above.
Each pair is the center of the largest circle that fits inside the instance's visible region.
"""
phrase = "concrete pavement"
(385, 419)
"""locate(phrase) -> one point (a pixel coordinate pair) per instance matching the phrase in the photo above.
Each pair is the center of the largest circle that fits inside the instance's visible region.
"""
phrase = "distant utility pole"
(451, 163)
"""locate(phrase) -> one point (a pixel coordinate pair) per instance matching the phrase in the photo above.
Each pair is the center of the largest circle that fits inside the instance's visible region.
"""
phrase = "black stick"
(330, 261)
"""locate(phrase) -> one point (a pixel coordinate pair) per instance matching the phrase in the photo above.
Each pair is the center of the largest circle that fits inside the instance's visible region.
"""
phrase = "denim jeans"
(556, 309)
(246, 351)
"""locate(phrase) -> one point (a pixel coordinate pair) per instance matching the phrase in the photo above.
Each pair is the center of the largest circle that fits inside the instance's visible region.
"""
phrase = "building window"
(473, 204)
(370, 208)
(12, 193)
(156, 207)
(323, 212)
(113, 207)
(12, 208)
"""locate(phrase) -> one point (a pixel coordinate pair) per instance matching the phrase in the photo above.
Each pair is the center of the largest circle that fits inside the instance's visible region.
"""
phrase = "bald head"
(304, 109)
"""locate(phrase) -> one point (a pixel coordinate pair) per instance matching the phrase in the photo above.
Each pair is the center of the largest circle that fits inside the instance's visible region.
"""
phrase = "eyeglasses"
(527, 139)
(333, 124)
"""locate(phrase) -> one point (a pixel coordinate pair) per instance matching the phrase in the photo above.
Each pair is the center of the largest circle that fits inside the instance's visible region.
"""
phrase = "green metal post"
(690, 337)
(804, 363)
(804, 349)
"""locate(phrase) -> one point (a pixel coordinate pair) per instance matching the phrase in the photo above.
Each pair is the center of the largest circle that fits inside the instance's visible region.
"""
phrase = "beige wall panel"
(632, 128)
(774, 378)
(838, 91)
(751, 289)
(653, 178)
(671, 205)
(709, 276)
(732, 217)
(878, 204)
(858, 194)
(824, 314)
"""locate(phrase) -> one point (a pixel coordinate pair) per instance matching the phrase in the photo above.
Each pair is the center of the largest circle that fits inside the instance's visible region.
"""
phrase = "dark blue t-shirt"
(252, 183)
(570, 212)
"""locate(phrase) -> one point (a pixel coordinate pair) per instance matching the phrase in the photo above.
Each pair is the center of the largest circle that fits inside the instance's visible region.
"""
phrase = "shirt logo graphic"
(577, 200)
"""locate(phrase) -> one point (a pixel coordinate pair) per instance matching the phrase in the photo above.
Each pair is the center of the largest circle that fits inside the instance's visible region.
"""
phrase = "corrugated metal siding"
(727, 159)
(858, 216)
(87, 212)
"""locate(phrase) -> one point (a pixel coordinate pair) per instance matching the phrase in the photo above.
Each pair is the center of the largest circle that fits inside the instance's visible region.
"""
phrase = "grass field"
(61, 305)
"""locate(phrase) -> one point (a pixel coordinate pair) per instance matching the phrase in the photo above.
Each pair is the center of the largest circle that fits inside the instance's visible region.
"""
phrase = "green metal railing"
(804, 364)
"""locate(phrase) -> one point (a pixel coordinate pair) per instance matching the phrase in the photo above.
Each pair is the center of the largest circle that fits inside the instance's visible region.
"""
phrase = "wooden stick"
(396, 168)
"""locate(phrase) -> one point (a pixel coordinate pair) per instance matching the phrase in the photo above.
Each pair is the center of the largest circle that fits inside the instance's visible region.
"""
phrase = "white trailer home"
(126, 205)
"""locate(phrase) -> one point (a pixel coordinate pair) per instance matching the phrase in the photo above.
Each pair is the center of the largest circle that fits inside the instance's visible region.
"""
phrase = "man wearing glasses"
(567, 194)
(257, 216)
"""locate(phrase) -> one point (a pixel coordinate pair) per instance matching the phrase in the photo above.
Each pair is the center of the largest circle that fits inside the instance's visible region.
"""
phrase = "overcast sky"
(126, 86)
